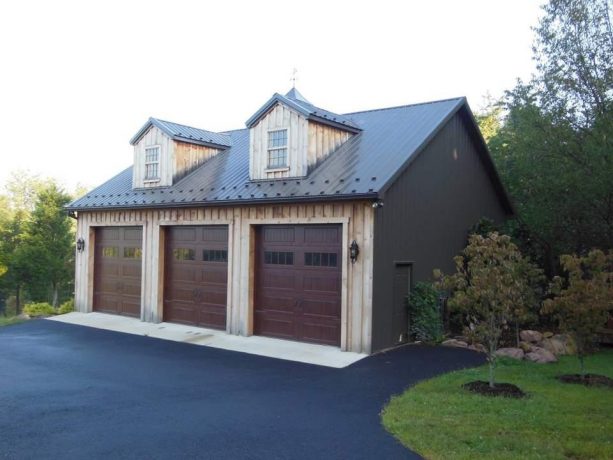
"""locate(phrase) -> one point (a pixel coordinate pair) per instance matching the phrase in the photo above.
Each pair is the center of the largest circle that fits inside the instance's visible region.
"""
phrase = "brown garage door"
(117, 270)
(298, 283)
(196, 278)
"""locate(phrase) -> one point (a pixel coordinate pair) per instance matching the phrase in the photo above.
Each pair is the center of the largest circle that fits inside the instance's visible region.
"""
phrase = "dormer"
(289, 136)
(165, 152)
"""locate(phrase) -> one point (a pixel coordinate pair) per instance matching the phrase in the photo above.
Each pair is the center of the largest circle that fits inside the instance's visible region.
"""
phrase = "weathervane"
(294, 77)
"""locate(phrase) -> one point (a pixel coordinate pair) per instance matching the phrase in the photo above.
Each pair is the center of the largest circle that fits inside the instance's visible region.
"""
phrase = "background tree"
(488, 283)
(554, 148)
(582, 301)
(48, 251)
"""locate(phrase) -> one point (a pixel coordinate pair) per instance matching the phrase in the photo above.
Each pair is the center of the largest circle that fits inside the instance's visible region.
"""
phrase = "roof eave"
(234, 202)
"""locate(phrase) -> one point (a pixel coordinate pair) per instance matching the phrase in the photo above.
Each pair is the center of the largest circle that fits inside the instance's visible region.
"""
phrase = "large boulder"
(570, 347)
(531, 336)
(541, 356)
(553, 345)
(454, 343)
(527, 347)
(515, 353)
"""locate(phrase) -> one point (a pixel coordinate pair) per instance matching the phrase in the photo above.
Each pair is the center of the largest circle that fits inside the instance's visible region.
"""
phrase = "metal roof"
(362, 167)
(297, 101)
(184, 133)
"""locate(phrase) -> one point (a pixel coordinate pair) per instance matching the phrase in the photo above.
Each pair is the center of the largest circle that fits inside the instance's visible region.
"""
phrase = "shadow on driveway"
(75, 392)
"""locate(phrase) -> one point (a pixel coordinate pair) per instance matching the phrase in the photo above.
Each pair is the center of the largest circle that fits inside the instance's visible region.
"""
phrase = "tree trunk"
(17, 301)
(55, 295)
(582, 364)
(517, 333)
(491, 373)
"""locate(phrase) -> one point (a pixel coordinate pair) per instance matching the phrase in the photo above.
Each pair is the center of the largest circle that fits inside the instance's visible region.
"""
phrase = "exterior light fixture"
(80, 244)
(354, 250)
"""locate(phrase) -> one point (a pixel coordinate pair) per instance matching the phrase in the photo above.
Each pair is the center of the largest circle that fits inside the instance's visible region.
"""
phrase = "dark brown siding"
(427, 213)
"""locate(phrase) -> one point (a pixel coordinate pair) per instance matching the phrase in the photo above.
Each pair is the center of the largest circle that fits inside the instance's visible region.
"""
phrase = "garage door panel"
(321, 283)
(274, 303)
(320, 308)
(118, 270)
(321, 333)
(283, 328)
(181, 273)
(196, 276)
(213, 276)
(298, 282)
(327, 235)
(279, 234)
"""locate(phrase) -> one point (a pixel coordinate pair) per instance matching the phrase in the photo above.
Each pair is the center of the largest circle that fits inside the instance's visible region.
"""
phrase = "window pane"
(215, 255)
(184, 254)
(320, 259)
(278, 258)
(110, 251)
(132, 253)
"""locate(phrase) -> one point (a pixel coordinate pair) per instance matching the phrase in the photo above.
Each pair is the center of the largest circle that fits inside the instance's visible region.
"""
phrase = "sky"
(78, 79)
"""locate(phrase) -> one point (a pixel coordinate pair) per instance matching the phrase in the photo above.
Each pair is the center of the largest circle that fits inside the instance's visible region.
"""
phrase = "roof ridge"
(407, 105)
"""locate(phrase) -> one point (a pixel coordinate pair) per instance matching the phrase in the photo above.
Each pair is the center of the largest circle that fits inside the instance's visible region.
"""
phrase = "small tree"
(582, 301)
(489, 281)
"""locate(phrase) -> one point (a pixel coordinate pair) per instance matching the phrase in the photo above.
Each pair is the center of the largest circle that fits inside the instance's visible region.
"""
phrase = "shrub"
(582, 302)
(425, 322)
(489, 282)
(66, 307)
(39, 309)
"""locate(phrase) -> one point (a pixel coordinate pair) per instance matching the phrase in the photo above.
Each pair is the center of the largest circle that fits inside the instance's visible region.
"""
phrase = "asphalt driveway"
(75, 392)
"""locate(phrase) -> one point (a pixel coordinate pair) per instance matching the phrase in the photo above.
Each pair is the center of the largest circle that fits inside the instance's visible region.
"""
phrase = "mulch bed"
(507, 390)
(590, 380)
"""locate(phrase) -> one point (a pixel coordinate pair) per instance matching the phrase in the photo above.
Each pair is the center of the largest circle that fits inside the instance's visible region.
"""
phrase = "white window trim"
(287, 165)
(146, 179)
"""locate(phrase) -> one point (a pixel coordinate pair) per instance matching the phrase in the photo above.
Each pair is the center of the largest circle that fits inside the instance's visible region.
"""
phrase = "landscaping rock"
(541, 356)
(477, 347)
(547, 335)
(570, 348)
(525, 346)
(461, 338)
(556, 346)
(515, 353)
(454, 343)
(531, 336)
(23, 316)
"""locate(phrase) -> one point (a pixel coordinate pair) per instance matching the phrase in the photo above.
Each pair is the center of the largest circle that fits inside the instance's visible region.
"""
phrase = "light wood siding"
(279, 117)
(153, 137)
(188, 157)
(309, 143)
(323, 140)
(355, 217)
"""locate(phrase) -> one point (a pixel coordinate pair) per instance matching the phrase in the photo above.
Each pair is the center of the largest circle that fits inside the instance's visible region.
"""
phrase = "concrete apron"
(320, 355)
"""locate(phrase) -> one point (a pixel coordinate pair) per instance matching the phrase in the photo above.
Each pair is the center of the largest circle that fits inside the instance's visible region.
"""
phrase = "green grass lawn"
(8, 320)
(440, 420)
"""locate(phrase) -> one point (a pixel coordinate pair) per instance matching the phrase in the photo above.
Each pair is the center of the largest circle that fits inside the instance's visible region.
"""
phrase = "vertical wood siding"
(309, 143)
(188, 157)
(356, 293)
(153, 137)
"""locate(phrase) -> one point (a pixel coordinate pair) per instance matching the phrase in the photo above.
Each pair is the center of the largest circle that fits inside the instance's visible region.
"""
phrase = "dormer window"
(152, 163)
(277, 149)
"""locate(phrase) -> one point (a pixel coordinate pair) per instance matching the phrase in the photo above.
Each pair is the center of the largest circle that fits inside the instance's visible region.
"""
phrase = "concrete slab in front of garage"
(320, 355)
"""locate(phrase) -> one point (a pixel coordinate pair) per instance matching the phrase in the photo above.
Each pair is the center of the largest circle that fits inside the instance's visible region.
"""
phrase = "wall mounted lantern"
(354, 250)
(80, 244)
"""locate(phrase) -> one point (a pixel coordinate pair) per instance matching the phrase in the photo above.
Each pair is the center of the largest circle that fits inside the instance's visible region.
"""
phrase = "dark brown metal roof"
(362, 167)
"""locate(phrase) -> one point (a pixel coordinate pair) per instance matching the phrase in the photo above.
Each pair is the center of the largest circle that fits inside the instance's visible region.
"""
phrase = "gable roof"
(184, 133)
(298, 102)
(364, 167)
